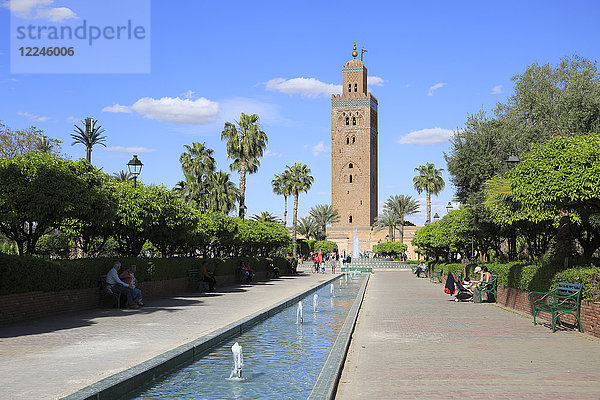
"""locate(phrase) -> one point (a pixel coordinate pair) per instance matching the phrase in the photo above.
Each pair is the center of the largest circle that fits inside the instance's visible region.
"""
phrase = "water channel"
(281, 358)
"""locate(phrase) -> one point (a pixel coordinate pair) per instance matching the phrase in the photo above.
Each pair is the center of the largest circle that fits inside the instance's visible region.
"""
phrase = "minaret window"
(350, 87)
(350, 219)
(347, 140)
(355, 87)
(350, 165)
(350, 178)
(353, 120)
(353, 139)
(347, 120)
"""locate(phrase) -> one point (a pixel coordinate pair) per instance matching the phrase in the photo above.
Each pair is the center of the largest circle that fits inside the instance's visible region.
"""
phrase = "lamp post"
(512, 162)
(449, 207)
(387, 238)
(135, 168)
(436, 217)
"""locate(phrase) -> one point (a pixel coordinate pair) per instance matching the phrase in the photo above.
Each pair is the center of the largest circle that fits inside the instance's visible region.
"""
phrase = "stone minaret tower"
(354, 148)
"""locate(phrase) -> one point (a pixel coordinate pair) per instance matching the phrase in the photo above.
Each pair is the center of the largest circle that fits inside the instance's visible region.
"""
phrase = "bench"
(107, 292)
(486, 287)
(196, 283)
(436, 275)
(565, 299)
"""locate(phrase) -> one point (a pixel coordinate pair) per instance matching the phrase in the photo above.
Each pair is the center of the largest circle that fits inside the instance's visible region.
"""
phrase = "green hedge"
(21, 274)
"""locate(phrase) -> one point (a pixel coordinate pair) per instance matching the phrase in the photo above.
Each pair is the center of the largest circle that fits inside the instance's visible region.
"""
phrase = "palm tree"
(401, 206)
(388, 220)
(45, 145)
(281, 187)
(324, 214)
(308, 227)
(245, 145)
(89, 136)
(299, 181)
(266, 216)
(429, 180)
(122, 176)
(197, 160)
(222, 193)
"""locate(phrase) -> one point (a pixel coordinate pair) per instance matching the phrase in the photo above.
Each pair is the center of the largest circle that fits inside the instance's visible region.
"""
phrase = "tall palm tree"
(266, 216)
(324, 214)
(245, 145)
(89, 136)
(402, 206)
(222, 193)
(308, 227)
(197, 160)
(300, 181)
(122, 176)
(387, 220)
(282, 188)
(429, 180)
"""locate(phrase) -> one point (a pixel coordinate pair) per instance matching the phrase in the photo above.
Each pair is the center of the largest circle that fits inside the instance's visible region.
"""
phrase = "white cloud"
(12, 79)
(117, 108)
(435, 87)
(231, 109)
(33, 117)
(130, 149)
(40, 9)
(496, 89)
(319, 148)
(435, 135)
(307, 87)
(178, 111)
(270, 153)
(374, 81)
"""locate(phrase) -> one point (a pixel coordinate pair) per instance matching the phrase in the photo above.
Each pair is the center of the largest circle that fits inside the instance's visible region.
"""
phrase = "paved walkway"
(412, 342)
(54, 357)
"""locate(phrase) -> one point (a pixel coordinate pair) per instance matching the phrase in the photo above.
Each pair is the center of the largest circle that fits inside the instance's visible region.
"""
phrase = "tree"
(89, 136)
(387, 220)
(390, 249)
(222, 193)
(266, 216)
(281, 187)
(197, 161)
(245, 145)
(122, 176)
(401, 206)
(308, 228)
(300, 181)
(14, 143)
(37, 192)
(429, 180)
(324, 214)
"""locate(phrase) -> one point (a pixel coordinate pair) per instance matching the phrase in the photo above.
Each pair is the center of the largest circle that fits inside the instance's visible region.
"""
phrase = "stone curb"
(121, 383)
(329, 377)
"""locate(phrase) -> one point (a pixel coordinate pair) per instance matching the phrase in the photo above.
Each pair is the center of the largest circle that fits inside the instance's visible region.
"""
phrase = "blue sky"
(436, 61)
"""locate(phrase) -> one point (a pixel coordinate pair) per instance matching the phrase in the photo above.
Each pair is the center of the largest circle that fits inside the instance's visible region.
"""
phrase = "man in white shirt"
(116, 285)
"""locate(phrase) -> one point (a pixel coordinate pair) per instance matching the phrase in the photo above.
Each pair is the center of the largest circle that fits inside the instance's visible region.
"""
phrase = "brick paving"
(54, 357)
(412, 342)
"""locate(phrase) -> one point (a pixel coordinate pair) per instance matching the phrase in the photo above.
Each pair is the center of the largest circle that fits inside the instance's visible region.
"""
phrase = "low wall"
(33, 305)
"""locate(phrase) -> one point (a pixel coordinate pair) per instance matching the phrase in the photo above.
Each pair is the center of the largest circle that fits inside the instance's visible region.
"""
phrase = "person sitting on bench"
(207, 277)
(116, 285)
(128, 277)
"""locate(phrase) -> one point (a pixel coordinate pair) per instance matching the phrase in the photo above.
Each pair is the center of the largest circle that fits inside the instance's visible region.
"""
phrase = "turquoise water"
(282, 359)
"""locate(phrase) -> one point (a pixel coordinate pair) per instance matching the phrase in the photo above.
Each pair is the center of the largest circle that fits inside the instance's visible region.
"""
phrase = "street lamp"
(436, 217)
(135, 168)
(387, 238)
(512, 161)
(449, 207)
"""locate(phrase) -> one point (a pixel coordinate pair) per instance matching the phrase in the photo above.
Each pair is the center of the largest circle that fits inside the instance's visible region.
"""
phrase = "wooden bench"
(107, 292)
(486, 287)
(196, 284)
(436, 275)
(565, 299)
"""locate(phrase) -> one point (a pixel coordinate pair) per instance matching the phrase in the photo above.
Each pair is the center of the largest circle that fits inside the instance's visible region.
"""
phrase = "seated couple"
(125, 284)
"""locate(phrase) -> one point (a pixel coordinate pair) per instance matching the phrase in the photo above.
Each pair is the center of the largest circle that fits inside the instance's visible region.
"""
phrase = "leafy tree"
(308, 228)
(37, 192)
(261, 238)
(197, 160)
(54, 245)
(300, 181)
(89, 136)
(216, 232)
(323, 215)
(266, 216)
(390, 248)
(122, 176)
(429, 180)
(14, 143)
(325, 246)
(387, 220)
(222, 193)
(281, 187)
(245, 145)
(401, 206)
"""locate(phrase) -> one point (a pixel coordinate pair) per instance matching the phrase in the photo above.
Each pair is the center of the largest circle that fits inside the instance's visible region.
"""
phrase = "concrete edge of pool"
(128, 380)
(328, 379)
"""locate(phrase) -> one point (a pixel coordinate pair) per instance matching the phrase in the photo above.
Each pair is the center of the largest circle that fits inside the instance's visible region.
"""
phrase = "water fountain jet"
(315, 302)
(238, 363)
(331, 291)
(299, 319)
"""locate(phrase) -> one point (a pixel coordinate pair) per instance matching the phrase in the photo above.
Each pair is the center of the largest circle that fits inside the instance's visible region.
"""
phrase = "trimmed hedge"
(22, 274)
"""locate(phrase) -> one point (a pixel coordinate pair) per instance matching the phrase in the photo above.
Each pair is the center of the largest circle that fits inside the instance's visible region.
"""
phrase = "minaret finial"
(354, 53)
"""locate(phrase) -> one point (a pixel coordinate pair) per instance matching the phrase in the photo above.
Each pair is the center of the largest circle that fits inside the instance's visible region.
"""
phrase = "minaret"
(354, 148)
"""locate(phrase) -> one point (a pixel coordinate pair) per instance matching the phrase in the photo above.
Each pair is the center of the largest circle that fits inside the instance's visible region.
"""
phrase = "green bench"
(486, 287)
(436, 275)
(107, 292)
(565, 299)
(195, 282)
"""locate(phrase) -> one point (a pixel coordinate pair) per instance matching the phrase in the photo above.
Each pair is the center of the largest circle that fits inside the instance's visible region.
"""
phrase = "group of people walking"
(320, 261)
